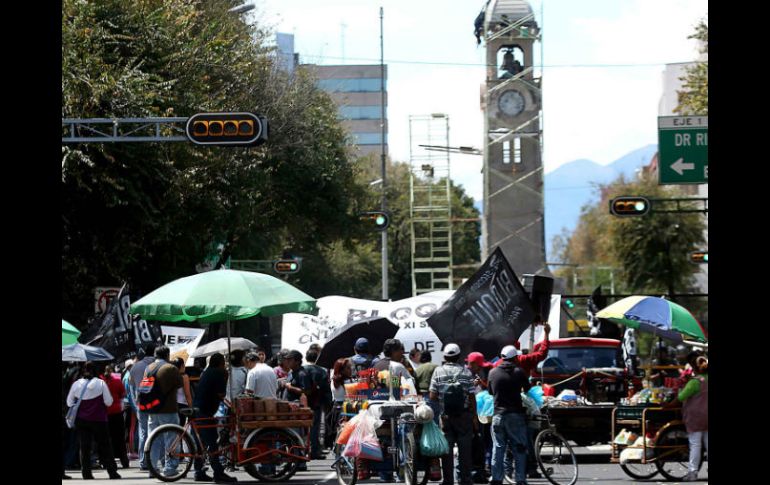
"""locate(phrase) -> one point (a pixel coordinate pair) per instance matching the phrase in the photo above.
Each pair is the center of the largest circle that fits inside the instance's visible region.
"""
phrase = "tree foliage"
(651, 251)
(148, 213)
(694, 97)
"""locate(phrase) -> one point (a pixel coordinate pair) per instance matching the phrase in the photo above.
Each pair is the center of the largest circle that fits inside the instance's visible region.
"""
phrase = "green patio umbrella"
(221, 296)
(655, 315)
(69, 334)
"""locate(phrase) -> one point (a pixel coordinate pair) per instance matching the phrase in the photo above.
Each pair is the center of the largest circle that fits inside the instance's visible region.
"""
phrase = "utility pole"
(382, 158)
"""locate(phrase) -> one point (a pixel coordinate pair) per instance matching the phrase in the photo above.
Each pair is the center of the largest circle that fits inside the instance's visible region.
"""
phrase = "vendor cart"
(658, 443)
(269, 443)
(398, 436)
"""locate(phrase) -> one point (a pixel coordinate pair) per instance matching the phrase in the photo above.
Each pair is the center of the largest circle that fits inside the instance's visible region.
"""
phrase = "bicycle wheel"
(556, 459)
(275, 465)
(169, 442)
(672, 453)
(639, 471)
(345, 466)
(408, 460)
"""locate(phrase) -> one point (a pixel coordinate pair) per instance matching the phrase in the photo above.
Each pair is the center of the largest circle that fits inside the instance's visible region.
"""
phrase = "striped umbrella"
(69, 334)
(655, 315)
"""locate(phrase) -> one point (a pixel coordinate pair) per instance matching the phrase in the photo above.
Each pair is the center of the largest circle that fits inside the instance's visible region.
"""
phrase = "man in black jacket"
(509, 423)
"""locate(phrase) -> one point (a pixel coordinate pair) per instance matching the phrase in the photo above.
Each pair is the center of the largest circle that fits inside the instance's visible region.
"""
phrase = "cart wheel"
(169, 442)
(274, 467)
(639, 471)
(673, 460)
(345, 466)
(556, 459)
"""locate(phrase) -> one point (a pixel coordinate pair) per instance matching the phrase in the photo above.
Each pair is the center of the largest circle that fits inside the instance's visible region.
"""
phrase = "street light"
(243, 8)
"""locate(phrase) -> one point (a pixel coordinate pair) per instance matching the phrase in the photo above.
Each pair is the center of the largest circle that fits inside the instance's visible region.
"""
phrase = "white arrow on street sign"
(679, 166)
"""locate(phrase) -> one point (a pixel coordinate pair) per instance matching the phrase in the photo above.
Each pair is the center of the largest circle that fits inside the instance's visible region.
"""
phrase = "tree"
(694, 98)
(651, 251)
(148, 213)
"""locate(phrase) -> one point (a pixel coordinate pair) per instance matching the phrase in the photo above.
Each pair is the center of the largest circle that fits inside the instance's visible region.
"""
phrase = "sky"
(595, 105)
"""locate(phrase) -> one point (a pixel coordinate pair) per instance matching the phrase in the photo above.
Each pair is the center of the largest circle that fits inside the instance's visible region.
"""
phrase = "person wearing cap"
(509, 423)
(457, 428)
(362, 360)
(482, 448)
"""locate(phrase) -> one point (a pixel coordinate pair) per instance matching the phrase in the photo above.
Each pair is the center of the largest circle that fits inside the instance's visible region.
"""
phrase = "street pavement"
(594, 468)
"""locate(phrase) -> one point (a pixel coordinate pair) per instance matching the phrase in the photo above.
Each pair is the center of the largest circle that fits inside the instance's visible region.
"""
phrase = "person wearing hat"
(482, 442)
(458, 420)
(509, 423)
(362, 360)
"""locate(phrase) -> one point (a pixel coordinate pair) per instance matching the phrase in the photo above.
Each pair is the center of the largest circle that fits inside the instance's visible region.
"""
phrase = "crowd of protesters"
(113, 426)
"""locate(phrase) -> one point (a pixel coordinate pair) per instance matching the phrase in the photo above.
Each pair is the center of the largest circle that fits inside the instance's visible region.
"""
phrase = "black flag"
(487, 312)
(118, 332)
(600, 327)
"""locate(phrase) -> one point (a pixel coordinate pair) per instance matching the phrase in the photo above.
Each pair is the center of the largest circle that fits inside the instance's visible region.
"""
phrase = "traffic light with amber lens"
(286, 266)
(236, 129)
(699, 257)
(629, 206)
(378, 221)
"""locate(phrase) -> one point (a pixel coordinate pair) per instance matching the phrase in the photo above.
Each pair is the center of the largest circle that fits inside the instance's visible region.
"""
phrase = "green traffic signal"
(570, 304)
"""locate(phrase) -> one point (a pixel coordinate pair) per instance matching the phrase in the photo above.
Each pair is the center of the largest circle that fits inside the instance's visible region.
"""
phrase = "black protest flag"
(600, 327)
(117, 331)
(490, 310)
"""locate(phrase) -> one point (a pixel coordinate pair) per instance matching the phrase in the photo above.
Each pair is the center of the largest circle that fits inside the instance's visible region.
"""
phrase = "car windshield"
(573, 359)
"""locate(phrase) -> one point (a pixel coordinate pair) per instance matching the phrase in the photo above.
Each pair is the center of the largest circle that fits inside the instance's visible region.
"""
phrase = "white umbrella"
(219, 346)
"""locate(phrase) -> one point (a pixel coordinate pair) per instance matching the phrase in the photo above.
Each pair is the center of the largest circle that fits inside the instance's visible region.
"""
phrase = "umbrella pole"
(230, 366)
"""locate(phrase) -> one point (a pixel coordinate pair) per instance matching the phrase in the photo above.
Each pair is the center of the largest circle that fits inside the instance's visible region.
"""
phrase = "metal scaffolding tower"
(430, 204)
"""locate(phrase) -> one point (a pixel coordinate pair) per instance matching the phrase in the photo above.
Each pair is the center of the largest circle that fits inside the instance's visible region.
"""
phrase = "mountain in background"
(573, 185)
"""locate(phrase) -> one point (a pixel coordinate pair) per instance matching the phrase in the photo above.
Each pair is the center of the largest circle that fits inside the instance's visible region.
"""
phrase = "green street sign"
(683, 150)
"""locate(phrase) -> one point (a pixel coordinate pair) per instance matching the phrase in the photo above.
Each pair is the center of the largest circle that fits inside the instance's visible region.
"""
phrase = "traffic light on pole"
(699, 257)
(629, 206)
(234, 129)
(286, 266)
(570, 304)
(379, 221)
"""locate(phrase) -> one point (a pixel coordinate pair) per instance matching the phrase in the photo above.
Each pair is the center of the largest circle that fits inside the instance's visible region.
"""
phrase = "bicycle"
(403, 450)
(277, 449)
(553, 454)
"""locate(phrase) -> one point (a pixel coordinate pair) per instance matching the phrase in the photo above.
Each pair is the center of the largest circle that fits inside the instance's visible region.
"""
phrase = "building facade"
(357, 91)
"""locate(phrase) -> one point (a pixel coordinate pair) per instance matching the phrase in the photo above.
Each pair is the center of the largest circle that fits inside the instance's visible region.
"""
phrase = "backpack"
(454, 396)
(150, 396)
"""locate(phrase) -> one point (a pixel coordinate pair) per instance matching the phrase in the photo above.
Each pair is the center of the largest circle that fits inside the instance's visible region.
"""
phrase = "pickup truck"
(594, 369)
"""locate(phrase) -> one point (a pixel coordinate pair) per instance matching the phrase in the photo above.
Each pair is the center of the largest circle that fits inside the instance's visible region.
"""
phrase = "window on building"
(360, 112)
(368, 138)
(516, 150)
(507, 152)
(351, 85)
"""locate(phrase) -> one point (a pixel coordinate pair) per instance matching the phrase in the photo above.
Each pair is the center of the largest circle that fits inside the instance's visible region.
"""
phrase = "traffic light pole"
(382, 159)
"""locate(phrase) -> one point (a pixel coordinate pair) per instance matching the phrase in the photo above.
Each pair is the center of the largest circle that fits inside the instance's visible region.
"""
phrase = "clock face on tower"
(511, 102)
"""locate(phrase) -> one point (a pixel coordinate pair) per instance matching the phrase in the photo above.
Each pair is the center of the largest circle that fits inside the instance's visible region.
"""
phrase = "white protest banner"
(553, 321)
(300, 331)
(182, 338)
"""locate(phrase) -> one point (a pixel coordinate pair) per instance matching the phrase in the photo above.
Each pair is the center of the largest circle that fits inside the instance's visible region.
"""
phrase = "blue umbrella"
(84, 353)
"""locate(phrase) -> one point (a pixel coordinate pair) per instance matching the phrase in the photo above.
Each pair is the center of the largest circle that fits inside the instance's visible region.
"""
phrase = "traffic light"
(286, 266)
(570, 304)
(234, 129)
(629, 206)
(699, 257)
(379, 221)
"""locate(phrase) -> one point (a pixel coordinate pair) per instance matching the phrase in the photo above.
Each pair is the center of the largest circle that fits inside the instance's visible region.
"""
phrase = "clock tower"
(513, 165)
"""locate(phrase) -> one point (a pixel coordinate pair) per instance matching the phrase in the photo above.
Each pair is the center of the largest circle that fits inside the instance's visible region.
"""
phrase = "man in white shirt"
(261, 380)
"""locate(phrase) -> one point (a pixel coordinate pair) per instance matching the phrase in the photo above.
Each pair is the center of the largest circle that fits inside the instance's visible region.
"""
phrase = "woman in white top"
(183, 394)
(91, 422)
